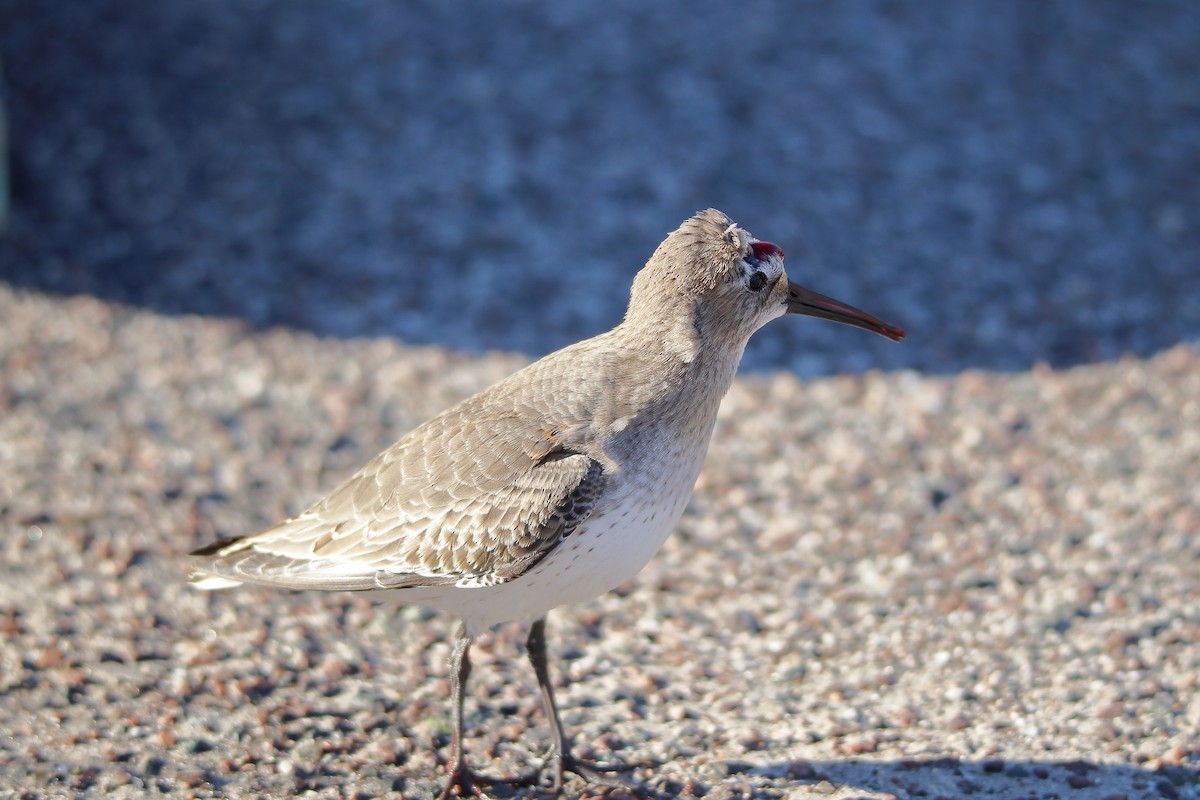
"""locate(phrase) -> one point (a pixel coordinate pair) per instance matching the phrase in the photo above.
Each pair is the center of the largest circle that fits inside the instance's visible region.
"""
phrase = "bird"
(552, 486)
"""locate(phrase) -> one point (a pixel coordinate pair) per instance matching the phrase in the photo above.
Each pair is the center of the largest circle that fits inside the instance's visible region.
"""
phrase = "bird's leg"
(461, 781)
(560, 750)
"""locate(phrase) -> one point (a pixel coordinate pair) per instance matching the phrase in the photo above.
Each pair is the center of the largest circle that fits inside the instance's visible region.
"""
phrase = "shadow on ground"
(998, 778)
(951, 779)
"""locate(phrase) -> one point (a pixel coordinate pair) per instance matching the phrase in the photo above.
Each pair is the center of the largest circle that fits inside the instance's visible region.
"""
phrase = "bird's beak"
(807, 302)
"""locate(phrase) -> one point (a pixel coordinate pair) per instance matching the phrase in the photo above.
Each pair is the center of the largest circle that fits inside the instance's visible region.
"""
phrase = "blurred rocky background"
(1012, 181)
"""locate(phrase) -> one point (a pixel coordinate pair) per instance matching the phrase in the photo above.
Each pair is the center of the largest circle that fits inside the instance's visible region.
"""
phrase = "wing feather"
(463, 499)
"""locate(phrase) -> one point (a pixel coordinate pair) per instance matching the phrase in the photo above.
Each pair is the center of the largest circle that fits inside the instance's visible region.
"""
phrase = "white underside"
(606, 551)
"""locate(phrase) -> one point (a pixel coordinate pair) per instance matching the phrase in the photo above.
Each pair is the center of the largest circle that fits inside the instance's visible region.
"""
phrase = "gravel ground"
(887, 584)
(923, 582)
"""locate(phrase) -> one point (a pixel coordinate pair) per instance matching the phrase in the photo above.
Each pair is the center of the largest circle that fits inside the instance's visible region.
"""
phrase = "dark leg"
(463, 780)
(560, 750)
(460, 783)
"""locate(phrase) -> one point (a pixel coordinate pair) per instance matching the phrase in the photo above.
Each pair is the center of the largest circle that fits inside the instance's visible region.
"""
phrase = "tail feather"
(216, 547)
(209, 582)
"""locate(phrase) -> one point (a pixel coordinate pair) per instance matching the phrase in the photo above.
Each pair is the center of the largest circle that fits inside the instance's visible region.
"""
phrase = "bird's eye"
(757, 281)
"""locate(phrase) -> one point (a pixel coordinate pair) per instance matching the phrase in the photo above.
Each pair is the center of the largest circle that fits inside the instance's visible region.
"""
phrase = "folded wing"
(469, 504)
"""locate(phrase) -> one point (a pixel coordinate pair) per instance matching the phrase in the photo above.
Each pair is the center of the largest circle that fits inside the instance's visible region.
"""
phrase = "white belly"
(608, 549)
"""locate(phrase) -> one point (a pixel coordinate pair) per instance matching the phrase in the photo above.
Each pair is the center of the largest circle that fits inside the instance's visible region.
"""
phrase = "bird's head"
(732, 284)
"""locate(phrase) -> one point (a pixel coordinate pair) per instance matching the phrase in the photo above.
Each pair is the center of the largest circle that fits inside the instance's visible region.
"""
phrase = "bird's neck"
(688, 369)
(682, 338)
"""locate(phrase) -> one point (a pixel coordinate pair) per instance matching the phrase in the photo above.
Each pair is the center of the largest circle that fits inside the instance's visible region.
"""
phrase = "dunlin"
(555, 484)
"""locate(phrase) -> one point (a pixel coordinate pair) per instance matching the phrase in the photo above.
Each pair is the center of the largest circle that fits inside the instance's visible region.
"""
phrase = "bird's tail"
(209, 582)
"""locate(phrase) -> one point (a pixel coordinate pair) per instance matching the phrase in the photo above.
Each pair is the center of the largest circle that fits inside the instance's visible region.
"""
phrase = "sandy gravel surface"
(923, 582)
(887, 585)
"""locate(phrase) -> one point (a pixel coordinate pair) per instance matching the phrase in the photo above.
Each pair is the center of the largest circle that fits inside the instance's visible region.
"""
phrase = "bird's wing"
(465, 499)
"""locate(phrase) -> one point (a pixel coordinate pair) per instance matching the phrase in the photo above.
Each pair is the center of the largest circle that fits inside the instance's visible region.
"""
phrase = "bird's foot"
(461, 784)
(465, 782)
(601, 775)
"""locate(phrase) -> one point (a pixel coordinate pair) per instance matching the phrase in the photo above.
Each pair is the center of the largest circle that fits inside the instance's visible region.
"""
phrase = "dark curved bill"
(812, 304)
